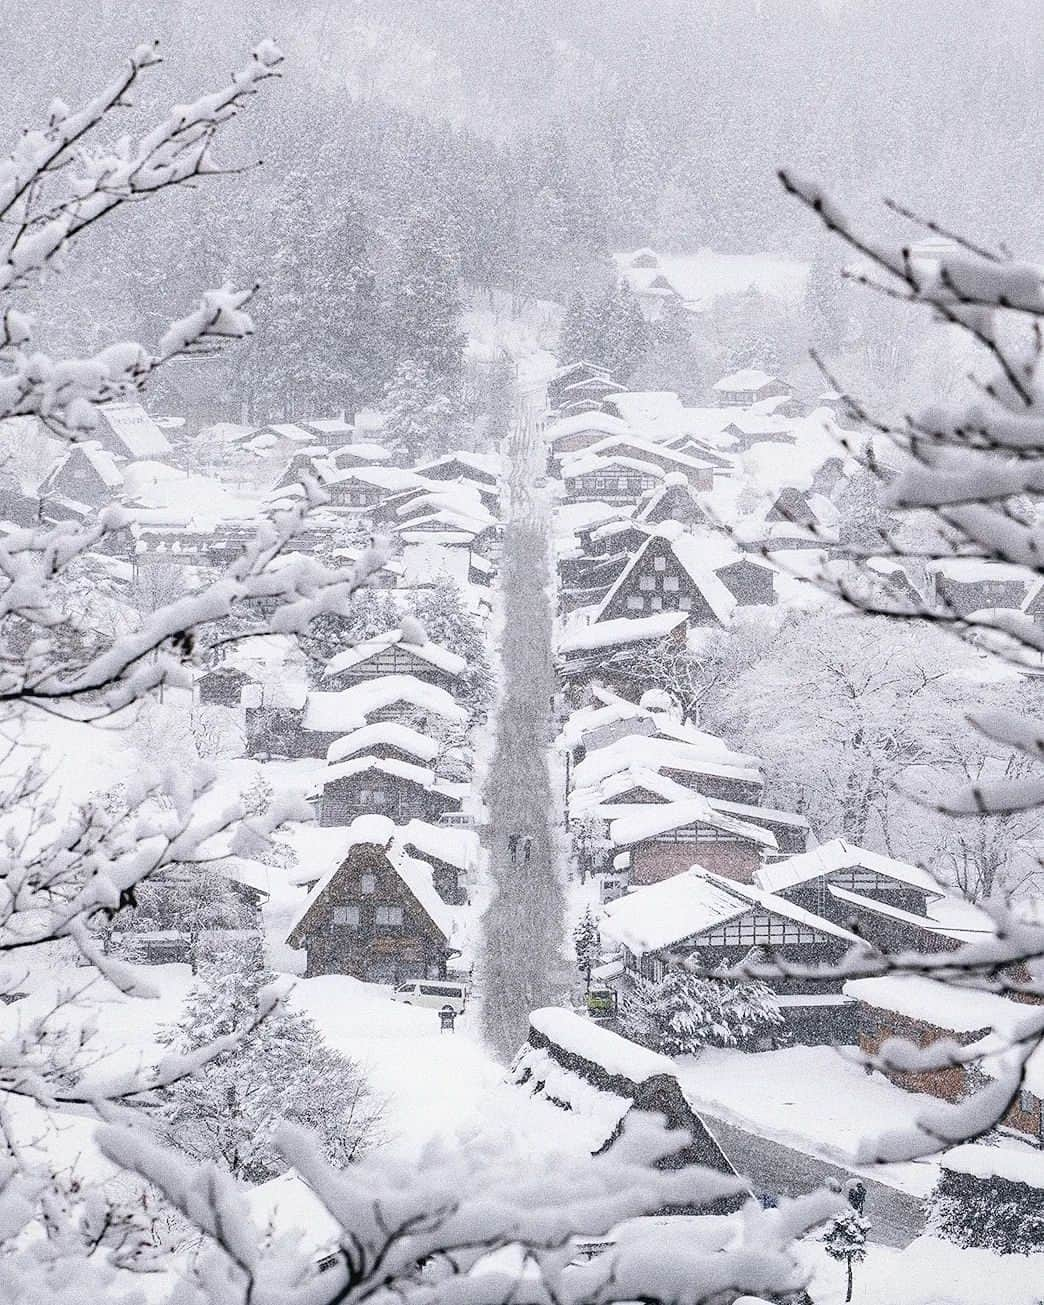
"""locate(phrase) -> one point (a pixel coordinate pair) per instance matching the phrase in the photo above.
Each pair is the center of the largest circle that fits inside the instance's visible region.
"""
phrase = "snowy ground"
(808, 1098)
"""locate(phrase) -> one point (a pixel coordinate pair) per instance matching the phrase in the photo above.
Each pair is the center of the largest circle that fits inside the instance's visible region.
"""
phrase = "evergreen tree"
(845, 1239)
(684, 1012)
(422, 411)
(424, 307)
(575, 338)
(588, 944)
(448, 621)
(282, 1070)
(674, 359)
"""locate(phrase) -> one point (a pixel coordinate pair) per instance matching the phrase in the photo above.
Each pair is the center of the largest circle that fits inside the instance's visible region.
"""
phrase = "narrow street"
(523, 929)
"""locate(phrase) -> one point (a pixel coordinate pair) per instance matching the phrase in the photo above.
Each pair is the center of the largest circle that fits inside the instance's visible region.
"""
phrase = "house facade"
(367, 920)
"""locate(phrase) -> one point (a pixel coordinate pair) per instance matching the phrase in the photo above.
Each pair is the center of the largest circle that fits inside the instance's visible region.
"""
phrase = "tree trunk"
(848, 1293)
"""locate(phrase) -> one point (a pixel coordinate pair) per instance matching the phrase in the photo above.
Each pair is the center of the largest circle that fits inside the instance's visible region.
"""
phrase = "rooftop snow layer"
(839, 855)
(441, 658)
(347, 710)
(586, 1039)
(623, 630)
(388, 733)
(661, 817)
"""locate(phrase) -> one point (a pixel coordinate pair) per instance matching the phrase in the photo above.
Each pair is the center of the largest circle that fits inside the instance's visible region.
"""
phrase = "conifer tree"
(588, 944)
(845, 1239)
(684, 1012)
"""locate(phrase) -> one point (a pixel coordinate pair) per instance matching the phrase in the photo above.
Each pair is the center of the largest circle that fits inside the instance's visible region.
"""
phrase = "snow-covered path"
(521, 965)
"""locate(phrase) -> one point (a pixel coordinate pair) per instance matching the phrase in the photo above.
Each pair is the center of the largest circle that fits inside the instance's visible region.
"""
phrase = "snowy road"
(522, 956)
(895, 1216)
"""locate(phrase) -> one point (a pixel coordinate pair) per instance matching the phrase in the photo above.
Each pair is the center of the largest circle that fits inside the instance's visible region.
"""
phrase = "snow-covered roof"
(585, 800)
(422, 776)
(624, 630)
(972, 570)
(1017, 1164)
(839, 855)
(102, 462)
(692, 554)
(347, 710)
(364, 450)
(441, 658)
(585, 421)
(458, 847)
(416, 875)
(392, 479)
(614, 444)
(486, 463)
(330, 425)
(649, 919)
(586, 1039)
(697, 753)
(747, 378)
(586, 463)
(388, 733)
(289, 430)
(943, 1005)
(660, 817)
(923, 922)
(134, 430)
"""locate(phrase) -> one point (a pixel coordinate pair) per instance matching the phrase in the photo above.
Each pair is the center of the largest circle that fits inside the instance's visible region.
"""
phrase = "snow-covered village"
(522, 652)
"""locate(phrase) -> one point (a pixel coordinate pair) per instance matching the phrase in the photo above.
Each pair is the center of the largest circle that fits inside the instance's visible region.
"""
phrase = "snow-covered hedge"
(990, 1197)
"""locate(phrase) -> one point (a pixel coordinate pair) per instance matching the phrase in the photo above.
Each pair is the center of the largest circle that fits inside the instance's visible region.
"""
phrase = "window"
(636, 603)
(647, 582)
(656, 603)
(660, 563)
(346, 915)
(622, 485)
(1027, 1102)
(757, 928)
(389, 917)
(368, 884)
(685, 603)
(670, 584)
(372, 797)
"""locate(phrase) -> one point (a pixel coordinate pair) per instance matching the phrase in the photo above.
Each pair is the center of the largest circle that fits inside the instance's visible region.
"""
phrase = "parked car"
(433, 993)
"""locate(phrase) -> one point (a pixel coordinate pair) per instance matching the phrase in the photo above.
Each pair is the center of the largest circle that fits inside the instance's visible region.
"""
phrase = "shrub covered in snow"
(684, 1012)
(985, 1197)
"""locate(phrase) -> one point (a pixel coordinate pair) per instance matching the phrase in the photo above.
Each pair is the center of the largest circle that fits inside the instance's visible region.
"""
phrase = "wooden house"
(88, 474)
(599, 1079)
(346, 457)
(586, 395)
(591, 651)
(670, 572)
(674, 500)
(570, 375)
(575, 433)
(963, 585)
(698, 913)
(748, 386)
(925, 1011)
(664, 839)
(400, 790)
(686, 755)
(889, 902)
(613, 479)
(697, 472)
(221, 686)
(393, 654)
(403, 699)
(377, 914)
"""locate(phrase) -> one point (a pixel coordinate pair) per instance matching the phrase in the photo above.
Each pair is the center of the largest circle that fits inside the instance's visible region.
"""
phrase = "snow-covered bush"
(684, 1012)
(986, 1197)
(845, 1239)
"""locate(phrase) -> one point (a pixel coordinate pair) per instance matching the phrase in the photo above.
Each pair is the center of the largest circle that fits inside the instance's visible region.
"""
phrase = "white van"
(433, 993)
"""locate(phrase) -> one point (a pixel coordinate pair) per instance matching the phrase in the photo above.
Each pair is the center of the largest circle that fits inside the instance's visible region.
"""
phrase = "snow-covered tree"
(684, 1012)
(446, 620)
(422, 411)
(845, 1239)
(587, 943)
(282, 1070)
